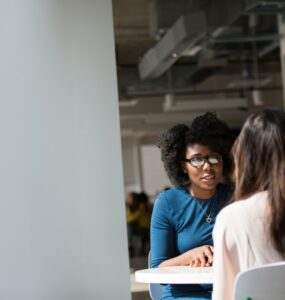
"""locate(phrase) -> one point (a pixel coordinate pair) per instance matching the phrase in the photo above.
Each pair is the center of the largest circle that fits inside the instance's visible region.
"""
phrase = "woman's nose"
(207, 165)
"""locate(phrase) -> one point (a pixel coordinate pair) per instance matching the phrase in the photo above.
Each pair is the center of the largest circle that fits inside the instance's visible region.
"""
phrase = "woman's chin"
(209, 184)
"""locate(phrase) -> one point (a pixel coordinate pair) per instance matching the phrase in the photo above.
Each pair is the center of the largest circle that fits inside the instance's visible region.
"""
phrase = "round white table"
(176, 275)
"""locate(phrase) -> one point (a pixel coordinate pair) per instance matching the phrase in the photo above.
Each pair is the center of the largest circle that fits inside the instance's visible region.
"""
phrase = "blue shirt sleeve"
(162, 232)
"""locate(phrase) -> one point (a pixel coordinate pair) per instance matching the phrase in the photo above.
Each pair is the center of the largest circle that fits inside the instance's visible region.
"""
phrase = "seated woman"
(183, 216)
(251, 231)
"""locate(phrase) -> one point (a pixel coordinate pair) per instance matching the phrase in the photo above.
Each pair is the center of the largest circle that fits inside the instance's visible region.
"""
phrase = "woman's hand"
(197, 257)
(201, 256)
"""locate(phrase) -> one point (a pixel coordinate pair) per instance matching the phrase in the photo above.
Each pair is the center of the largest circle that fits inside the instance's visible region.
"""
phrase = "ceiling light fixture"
(130, 103)
(172, 105)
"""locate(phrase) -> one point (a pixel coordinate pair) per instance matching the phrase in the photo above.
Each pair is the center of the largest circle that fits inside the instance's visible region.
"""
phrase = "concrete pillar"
(62, 216)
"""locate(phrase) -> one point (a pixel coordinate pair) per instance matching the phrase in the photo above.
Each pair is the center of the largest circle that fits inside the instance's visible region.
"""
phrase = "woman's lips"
(208, 178)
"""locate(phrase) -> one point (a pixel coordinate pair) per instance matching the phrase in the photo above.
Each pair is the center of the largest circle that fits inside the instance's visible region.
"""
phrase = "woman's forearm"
(180, 260)
(197, 257)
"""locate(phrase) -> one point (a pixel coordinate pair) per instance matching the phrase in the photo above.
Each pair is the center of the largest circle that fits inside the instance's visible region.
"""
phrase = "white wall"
(143, 169)
(154, 175)
(62, 219)
(132, 164)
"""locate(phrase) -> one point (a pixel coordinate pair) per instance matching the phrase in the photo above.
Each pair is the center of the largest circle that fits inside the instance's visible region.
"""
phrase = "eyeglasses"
(199, 161)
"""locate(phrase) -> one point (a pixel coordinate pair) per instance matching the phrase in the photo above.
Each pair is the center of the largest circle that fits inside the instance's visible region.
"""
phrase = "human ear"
(183, 167)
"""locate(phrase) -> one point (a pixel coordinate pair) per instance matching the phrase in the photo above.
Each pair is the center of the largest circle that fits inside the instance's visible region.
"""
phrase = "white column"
(62, 217)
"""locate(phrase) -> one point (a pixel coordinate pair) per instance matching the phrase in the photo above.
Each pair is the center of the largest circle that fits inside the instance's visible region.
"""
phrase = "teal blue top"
(179, 224)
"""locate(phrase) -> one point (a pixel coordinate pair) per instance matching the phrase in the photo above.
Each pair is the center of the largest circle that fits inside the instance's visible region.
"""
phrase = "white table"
(176, 275)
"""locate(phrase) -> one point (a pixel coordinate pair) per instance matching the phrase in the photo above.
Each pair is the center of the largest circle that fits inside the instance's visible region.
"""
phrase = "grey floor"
(140, 296)
(139, 290)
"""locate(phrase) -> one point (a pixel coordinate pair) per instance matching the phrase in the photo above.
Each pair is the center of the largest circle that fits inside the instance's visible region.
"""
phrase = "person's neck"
(201, 194)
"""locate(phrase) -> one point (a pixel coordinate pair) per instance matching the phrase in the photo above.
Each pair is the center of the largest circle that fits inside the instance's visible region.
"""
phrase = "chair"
(261, 283)
(155, 289)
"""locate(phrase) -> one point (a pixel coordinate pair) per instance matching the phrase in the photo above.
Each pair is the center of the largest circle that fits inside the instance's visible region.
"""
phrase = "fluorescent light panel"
(205, 104)
(130, 103)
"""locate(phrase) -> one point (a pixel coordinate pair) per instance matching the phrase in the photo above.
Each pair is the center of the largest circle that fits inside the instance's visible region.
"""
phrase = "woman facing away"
(251, 231)
(184, 215)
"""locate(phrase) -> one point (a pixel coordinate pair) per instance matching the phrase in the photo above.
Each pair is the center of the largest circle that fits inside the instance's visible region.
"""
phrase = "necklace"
(208, 216)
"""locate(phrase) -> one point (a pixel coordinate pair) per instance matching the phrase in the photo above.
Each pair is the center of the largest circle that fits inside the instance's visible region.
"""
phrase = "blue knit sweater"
(179, 224)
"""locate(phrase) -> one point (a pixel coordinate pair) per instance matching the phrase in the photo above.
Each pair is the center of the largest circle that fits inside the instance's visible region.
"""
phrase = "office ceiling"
(235, 58)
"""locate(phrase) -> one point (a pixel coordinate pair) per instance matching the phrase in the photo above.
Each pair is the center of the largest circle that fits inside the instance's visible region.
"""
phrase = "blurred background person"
(138, 222)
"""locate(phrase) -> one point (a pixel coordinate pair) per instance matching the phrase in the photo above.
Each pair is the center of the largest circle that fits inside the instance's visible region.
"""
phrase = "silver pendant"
(209, 220)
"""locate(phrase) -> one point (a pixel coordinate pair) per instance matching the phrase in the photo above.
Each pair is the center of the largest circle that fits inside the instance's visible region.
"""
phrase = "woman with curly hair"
(195, 158)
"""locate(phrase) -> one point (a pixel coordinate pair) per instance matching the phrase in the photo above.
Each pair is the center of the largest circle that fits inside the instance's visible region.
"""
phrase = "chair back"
(261, 283)
(155, 289)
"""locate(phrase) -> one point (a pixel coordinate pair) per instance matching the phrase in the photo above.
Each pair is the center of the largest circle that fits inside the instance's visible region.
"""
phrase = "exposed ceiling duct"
(180, 38)
(209, 17)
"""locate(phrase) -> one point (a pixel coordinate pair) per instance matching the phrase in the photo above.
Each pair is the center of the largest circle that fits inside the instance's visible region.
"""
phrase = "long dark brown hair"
(259, 156)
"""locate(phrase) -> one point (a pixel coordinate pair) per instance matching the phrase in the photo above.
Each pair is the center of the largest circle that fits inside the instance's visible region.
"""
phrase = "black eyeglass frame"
(208, 157)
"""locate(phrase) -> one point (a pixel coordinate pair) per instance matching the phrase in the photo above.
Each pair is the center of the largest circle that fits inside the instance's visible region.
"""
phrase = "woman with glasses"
(195, 160)
(251, 232)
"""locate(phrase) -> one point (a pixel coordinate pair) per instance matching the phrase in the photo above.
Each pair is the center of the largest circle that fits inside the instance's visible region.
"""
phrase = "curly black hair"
(206, 130)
